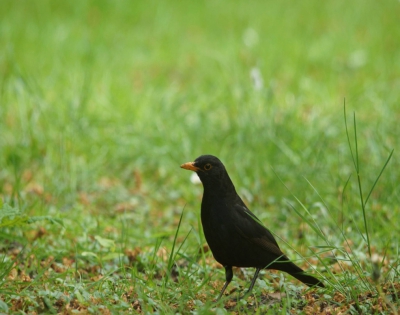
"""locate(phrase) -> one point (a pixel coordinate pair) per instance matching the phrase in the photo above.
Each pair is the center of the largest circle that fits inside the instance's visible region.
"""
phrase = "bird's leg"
(228, 277)
(253, 281)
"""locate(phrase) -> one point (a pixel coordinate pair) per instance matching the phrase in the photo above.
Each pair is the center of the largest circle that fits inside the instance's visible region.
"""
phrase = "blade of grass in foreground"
(379, 176)
(173, 254)
(357, 167)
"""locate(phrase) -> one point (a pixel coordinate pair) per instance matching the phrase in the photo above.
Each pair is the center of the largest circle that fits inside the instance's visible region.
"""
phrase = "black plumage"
(234, 234)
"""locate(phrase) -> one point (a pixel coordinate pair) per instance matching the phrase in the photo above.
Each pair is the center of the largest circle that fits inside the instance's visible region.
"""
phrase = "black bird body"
(234, 234)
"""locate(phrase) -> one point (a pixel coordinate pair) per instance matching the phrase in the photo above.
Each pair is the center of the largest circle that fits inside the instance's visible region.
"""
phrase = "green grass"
(101, 101)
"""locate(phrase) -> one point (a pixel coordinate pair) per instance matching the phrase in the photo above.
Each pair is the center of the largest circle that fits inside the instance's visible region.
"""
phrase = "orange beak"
(190, 166)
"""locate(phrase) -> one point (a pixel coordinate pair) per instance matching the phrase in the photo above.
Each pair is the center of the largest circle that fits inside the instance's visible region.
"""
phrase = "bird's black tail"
(308, 280)
(299, 274)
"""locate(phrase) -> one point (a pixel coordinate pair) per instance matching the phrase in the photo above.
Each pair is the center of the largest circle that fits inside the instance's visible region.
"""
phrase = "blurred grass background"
(101, 101)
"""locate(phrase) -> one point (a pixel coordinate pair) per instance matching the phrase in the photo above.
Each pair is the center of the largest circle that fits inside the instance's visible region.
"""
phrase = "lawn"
(102, 101)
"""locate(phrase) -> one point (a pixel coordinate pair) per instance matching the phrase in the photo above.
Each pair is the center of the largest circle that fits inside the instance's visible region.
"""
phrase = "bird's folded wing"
(250, 227)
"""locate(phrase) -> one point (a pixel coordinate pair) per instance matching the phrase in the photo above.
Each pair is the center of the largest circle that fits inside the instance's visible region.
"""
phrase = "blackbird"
(234, 234)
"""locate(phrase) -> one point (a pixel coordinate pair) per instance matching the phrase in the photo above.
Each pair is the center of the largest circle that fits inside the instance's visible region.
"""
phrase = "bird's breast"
(221, 234)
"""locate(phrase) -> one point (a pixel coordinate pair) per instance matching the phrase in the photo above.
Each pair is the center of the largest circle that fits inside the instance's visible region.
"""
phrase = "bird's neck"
(216, 202)
(220, 189)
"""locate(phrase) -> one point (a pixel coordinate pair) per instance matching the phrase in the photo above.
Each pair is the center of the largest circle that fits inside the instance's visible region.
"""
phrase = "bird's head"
(209, 168)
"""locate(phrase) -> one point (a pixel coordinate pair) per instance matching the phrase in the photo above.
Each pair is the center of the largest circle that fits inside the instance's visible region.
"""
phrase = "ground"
(102, 101)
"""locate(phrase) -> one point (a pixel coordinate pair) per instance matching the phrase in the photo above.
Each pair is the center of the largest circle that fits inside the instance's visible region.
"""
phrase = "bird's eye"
(207, 167)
